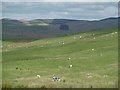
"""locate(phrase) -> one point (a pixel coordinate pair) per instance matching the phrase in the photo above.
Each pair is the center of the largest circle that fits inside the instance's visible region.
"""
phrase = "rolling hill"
(46, 28)
(94, 56)
(91, 45)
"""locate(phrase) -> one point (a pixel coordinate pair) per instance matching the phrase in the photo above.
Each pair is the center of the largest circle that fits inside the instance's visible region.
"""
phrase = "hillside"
(46, 28)
(94, 56)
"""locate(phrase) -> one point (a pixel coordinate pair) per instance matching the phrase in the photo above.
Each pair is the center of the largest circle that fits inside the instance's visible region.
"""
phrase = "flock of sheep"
(56, 78)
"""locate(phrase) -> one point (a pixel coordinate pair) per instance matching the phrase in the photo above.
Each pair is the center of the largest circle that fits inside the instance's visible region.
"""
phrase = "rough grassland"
(97, 68)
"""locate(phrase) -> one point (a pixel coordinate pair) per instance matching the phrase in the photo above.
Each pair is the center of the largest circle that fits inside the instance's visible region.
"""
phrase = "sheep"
(70, 66)
(69, 58)
(38, 76)
(62, 42)
(115, 32)
(55, 78)
(80, 36)
(92, 49)
(89, 76)
(94, 38)
(105, 76)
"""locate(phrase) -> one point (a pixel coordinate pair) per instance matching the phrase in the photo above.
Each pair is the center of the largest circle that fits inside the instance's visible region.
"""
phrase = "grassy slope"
(47, 57)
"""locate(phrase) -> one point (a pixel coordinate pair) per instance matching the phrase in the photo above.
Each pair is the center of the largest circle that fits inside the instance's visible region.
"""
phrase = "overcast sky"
(60, 0)
(57, 10)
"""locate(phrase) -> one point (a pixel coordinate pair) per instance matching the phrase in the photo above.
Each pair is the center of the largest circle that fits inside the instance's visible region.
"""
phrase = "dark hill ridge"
(44, 28)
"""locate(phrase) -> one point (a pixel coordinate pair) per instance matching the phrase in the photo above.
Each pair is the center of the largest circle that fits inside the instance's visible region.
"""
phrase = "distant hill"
(45, 28)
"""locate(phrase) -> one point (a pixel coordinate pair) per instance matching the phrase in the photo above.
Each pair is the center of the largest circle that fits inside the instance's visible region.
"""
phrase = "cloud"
(60, 0)
(76, 10)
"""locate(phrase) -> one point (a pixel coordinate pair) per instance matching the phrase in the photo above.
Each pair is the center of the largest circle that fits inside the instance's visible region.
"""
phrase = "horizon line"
(60, 18)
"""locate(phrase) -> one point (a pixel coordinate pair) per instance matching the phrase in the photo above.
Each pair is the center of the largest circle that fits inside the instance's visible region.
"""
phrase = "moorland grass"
(22, 61)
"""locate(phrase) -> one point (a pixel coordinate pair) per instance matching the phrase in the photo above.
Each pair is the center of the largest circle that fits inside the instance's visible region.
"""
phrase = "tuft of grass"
(6, 85)
(43, 86)
(22, 86)
(64, 80)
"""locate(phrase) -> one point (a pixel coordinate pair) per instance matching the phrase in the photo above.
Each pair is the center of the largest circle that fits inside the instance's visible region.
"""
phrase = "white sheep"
(80, 36)
(94, 38)
(70, 66)
(92, 49)
(62, 42)
(69, 58)
(115, 32)
(38, 76)
(105, 76)
(89, 76)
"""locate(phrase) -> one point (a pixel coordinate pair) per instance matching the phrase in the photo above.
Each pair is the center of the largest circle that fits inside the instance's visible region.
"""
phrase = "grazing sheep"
(69, 58)
(38, 76)
(89, 76)
(94, 38)
(62, 42)
(115, 32)
(92, 49)
(55, 78)
(105, 76)
(70, 66)
(80, 37)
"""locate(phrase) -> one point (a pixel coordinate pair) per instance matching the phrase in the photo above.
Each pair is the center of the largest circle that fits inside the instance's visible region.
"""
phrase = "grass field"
(97, 68)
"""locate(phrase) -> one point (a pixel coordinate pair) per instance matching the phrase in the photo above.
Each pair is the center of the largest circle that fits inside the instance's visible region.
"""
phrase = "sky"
(59, 10)
(60, 0)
